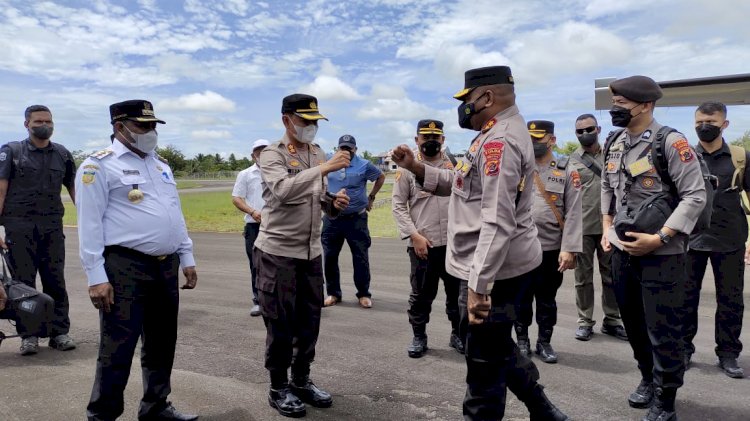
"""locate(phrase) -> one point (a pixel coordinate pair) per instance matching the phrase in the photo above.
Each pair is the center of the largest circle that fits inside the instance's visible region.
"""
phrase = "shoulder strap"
(588, 162)
(15, 149)
(543, 191)
(611, 137)
(738, 160)
(659, 157)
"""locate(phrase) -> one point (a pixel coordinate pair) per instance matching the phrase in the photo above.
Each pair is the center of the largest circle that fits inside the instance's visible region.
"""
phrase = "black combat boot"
(310, 394)
(540, 407)
(663, 408)
(418, 346)
(643, 396)
(543, 347)
(456, 343)
(522, 337)
(281, 398)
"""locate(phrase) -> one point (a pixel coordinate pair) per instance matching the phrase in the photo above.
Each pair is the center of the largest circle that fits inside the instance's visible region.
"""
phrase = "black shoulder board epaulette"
(562, 162)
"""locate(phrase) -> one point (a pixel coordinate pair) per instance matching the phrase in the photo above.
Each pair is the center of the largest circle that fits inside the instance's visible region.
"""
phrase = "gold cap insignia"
(532, 126)
(313, 105)
(432, 124)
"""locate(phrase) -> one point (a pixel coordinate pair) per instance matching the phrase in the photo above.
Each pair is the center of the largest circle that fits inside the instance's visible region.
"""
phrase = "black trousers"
(650, 292)
(290, 292)
(729, 273)
(545, 281)
(146, 305)
(425, 277)
(493, 360)
(251, 234)
(39, 246)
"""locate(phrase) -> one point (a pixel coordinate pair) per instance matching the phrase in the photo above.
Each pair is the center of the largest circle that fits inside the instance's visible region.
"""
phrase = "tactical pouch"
(647, 218)
(30, 308)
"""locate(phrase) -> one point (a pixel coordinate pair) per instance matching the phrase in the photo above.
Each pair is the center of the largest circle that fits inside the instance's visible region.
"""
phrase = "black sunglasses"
(590, 129)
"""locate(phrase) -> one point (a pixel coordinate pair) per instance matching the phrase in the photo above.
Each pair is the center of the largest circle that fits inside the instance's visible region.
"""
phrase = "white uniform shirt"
(106, 217)
(248, 186)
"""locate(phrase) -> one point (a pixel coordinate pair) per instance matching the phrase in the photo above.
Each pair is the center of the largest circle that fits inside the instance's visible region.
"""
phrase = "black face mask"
(707, 132)
(587, 139)
(430, 148)
(540, 149)
(42, 132)
(465, 112)
(620, 116)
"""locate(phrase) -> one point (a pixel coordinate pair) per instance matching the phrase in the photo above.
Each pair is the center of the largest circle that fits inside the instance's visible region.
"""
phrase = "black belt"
(135, 253)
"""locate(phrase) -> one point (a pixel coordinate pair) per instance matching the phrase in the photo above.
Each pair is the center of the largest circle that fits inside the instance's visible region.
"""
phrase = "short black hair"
(712, 107)
(34, 108)
(587, 116)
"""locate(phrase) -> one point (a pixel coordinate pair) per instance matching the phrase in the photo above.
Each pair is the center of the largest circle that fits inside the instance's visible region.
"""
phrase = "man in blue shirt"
(351, 225)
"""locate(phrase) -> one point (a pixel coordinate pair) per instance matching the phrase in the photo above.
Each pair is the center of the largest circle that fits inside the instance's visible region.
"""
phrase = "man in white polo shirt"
(247, 196)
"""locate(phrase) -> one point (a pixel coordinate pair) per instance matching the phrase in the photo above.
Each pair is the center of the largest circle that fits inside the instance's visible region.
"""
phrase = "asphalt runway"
(361, 355)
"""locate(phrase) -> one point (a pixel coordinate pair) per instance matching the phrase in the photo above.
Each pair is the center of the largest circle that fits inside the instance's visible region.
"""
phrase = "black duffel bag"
(30, 309)
(649, 217)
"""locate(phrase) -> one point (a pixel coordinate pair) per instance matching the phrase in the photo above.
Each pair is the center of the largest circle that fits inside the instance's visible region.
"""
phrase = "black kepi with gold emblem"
(430, 127)
(138, 110)
(484, 76)
(540, 128)
(305, 106)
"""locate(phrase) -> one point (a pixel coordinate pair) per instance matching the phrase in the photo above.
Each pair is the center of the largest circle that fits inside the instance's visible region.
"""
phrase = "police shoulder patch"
(576, 179)
(683, 149)
(493, 154)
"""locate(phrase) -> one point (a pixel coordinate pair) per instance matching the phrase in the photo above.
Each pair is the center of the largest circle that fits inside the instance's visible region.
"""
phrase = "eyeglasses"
(590, 129)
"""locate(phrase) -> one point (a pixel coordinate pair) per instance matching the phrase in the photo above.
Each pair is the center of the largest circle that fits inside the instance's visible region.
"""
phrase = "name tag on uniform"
(639, 167)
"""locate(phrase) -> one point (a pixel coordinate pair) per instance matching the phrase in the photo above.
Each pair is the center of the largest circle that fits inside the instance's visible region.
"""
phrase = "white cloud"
(598, 8)
(208, 101)
(210, 134)
(380, 90)
(328, 86)
(394, 109)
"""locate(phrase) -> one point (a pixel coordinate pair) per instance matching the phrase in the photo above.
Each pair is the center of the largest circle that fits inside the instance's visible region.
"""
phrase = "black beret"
(305, 106)
(540, 128)
(637, 88)
(430, 127)
(348, 140)
(483, 76)
(135, 109)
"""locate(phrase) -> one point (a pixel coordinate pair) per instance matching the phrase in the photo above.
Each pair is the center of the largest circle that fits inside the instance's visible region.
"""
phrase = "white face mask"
(306, 134)
(145, 142)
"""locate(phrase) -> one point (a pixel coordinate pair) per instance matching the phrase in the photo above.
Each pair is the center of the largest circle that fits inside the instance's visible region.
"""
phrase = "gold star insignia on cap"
(432, 124)
(532, 126)
(313, 106)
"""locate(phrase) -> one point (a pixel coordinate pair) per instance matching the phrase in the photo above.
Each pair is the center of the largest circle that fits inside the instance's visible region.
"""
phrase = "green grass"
(188, 184)
(214, 212)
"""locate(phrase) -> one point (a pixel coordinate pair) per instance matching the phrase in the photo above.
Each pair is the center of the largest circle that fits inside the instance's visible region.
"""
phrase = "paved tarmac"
(361, 355)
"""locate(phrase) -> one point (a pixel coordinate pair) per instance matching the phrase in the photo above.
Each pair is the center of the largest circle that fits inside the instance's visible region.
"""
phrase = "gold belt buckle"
(160, 258)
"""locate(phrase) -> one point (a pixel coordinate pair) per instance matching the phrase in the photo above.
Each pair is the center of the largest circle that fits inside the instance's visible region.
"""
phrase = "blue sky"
(216, 70)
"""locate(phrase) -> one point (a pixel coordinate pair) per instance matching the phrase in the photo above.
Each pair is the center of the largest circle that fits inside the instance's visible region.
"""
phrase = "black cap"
(136, 109)
(540, 128)
(347, 140)
(637, 88)
(483, 76)
(430, 127)
(305, 106)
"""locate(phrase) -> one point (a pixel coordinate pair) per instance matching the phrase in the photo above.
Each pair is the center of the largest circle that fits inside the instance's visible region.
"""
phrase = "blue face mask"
(465, 112)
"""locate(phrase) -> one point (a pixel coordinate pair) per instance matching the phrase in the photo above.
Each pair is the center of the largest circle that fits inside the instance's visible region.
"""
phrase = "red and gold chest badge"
(493, 153)
(684, 150)
(489, 125)
(576, 179)
(647, 182)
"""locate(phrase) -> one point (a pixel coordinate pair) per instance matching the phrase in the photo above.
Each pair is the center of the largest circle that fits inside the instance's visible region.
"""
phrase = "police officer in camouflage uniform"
(288, 252)
(493, 244)
(649, 270)
(422, 218)
(589, 162)
(557, 214)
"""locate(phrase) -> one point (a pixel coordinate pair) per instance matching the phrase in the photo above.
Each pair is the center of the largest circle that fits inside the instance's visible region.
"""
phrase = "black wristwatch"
(371, 197)
(663, 237)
